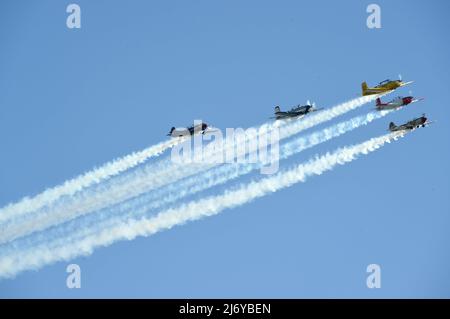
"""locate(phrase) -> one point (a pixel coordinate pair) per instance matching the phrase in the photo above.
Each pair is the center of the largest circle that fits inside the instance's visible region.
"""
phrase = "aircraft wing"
(286, 115)
(406, 126)
(210, 130)
(281, 115)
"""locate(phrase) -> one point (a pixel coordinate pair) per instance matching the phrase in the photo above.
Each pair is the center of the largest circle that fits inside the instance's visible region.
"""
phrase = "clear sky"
(72, 99)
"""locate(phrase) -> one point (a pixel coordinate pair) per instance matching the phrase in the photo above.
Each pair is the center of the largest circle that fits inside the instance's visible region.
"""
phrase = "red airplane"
(395, 103)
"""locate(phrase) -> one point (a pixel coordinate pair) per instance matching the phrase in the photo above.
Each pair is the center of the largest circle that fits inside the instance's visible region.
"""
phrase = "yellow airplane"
(384, 86)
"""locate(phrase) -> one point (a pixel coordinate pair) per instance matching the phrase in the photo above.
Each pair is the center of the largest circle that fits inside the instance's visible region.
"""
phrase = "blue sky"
(74, 99)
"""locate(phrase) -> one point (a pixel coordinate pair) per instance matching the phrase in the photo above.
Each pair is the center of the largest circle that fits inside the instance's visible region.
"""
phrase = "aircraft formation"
(387, 86)
(299, 111)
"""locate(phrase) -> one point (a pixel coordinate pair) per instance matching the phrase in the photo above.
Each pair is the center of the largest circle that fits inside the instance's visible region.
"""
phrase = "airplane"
(411, 125)
(384, 86)
(297, 111)
(195, 129)
(396, 103)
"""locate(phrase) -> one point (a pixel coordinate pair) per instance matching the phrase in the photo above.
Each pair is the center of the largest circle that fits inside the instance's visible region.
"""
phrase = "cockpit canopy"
(300, 107)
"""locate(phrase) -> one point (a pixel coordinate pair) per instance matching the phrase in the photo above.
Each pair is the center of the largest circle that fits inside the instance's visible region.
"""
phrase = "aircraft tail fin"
(392, 126)
(277, 109)
(378, 102)
(171, 130)
(364, 88)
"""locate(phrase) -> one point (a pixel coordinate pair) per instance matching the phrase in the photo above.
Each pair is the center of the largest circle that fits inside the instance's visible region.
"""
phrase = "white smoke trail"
(140, 206)
(143, 180)
(95, 176)
(195, 183)
(38, 256)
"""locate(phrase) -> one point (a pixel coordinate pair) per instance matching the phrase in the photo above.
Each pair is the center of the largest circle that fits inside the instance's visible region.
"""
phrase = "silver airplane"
(195, 129)
(411, 125)
(297, 111)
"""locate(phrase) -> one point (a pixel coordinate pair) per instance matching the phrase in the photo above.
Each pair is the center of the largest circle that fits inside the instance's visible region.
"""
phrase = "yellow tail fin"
(364, 88)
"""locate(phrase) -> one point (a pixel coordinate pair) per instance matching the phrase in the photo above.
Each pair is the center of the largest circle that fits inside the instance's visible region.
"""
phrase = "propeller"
(400, 77)
(313, 104)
